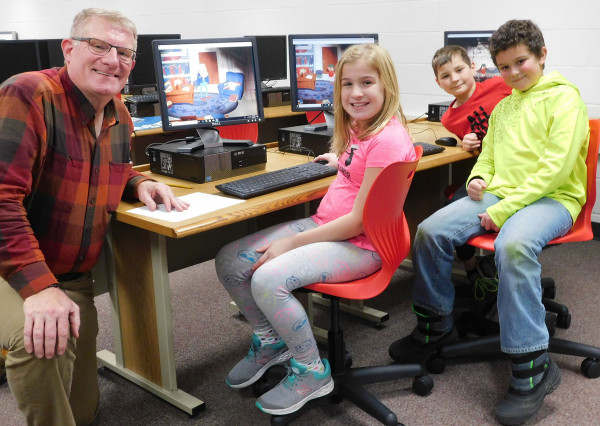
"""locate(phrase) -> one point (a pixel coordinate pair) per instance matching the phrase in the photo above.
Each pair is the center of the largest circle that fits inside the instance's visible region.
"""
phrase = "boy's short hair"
(445, 54)
(516, 32)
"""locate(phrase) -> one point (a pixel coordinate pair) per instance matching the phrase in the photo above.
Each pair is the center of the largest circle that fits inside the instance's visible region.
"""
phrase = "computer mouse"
(446, 141)
(322, 162)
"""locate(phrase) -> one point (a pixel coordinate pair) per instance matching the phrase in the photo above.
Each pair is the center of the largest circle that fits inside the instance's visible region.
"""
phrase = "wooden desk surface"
(255, 206)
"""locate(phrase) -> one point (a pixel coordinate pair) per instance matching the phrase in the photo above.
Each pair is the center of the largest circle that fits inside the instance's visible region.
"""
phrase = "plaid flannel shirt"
(59, 182)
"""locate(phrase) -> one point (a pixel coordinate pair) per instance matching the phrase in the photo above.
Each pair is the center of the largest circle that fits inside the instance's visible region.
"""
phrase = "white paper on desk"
(200, 203)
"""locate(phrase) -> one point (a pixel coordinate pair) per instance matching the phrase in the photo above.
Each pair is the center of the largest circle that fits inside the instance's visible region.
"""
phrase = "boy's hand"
(476, 188)
(488, 223)
(471, 142)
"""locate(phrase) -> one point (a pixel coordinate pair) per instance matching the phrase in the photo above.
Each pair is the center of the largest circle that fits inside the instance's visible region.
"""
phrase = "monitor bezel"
(292, 65)
(194, 124)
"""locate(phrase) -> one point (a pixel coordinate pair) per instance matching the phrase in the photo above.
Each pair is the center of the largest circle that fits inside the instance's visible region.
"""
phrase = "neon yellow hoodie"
(536, 147)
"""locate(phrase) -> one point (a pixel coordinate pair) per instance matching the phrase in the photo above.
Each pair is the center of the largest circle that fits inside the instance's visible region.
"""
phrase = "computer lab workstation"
(147, 249)
(205, 87)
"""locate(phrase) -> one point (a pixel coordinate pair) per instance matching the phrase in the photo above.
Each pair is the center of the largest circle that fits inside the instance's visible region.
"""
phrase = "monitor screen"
(18, 56)
(272, 58)
(313, 60)
(477, 45)
(143, 75)
(207, 83)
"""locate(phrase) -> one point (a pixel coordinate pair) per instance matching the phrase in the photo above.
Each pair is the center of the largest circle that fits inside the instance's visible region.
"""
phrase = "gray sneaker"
(259, 359)
(299, 387)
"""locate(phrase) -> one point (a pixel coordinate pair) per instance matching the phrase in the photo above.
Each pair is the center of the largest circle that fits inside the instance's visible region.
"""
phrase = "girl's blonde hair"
(379, 59)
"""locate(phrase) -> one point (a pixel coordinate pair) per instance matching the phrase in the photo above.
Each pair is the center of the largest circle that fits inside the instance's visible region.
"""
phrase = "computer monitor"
(477, 45)
(207, 83)
(51, 53)
(142, 75)
(272, 57)
(313, 65)
(18, 56)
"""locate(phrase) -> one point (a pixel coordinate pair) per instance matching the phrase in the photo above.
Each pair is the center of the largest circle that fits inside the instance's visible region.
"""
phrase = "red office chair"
(386, 228)
(581, 231)
(240, 131)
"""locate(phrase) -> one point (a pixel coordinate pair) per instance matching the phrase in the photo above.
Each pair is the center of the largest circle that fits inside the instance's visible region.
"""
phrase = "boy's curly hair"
(516, 32)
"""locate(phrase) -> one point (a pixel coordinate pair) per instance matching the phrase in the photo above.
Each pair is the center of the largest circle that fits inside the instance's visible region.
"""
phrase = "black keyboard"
(265, 183)
(429, 148)
(144, 98)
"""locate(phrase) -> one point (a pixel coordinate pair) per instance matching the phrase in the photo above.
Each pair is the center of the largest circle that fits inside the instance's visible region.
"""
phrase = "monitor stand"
(329, 121)
(209, 138)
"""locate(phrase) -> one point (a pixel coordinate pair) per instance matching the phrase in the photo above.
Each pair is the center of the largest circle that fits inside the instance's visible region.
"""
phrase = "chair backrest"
(386, 228)
(240, 131)
(582, 228)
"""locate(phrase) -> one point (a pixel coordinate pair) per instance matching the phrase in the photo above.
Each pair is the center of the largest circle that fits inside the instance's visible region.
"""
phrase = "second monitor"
(313, 66)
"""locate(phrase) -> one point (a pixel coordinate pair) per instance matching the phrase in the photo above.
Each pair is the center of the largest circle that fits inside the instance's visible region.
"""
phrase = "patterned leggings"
(264, 296)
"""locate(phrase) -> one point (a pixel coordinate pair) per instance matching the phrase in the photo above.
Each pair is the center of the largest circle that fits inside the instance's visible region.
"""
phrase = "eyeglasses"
(101, 48)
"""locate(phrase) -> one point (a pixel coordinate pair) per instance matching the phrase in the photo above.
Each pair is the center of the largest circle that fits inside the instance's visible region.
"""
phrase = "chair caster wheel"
(422, 385)
(590, 368)
(548, 288)
(563, 321)
(436, 364)
(348, 360)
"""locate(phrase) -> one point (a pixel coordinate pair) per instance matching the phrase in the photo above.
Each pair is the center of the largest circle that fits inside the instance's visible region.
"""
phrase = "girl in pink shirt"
(260, 271)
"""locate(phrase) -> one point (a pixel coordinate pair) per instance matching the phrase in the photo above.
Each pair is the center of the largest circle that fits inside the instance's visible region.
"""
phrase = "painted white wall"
(410, 29)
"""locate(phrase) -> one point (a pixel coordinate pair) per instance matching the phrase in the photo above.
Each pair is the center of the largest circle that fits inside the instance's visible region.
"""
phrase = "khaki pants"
(62, 390)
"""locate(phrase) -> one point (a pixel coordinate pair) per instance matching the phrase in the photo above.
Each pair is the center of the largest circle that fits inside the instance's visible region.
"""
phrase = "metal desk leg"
(141, 316)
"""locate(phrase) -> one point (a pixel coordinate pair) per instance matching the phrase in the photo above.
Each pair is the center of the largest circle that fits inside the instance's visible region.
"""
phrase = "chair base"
(349, 382)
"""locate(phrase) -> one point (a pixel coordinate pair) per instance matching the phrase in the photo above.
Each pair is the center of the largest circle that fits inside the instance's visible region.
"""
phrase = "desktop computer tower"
(435, 111)
(297, 139)
(234, 158)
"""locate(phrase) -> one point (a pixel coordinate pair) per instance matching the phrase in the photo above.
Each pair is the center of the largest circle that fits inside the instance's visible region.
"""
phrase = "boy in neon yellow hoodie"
(528, 184)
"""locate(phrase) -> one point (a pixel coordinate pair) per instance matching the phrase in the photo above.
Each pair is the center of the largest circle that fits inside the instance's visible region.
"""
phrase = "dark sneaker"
(518, 407)
(259, 359)
(409, 350)
(482, 282)
(295, 390)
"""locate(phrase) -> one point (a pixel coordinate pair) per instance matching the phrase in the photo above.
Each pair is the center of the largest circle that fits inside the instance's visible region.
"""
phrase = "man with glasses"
(64, 165)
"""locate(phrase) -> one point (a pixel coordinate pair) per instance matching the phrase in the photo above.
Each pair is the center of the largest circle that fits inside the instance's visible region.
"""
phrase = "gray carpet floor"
(210, 338)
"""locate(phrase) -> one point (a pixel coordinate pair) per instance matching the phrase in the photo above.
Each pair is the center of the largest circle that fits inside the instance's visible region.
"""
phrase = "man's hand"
(471, 142)
(488, 223)
(476, 188)
(49, 315)
(152, 193)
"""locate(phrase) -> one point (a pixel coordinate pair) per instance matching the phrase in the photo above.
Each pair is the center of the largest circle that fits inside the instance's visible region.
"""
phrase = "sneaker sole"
(325, 390)
(279, 360)
(554, 379)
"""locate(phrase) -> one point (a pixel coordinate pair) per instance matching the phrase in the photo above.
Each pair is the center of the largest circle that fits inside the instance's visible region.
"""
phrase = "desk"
(139, 282)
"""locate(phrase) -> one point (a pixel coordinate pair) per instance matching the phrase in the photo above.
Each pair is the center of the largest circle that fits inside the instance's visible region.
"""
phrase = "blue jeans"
(520, 310)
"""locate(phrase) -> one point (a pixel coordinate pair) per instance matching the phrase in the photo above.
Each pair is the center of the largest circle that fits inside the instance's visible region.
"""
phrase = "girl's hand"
(329, 157)
(274, 249)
